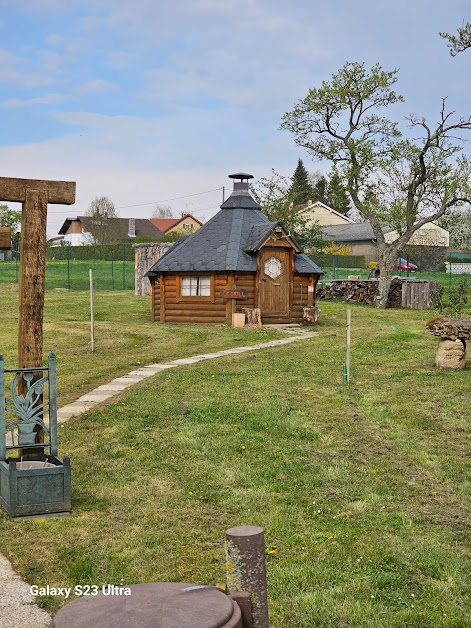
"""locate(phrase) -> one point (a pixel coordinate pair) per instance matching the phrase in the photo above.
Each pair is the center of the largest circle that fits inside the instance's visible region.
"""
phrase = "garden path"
(17, 605)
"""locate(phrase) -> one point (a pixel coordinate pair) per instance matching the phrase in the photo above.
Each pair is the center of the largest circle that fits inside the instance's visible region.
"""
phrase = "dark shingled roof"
(227, 242)
(354, 232)
(120, 226)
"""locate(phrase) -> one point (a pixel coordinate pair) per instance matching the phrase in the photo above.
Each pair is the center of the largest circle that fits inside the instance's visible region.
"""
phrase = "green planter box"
(35, 491)
(31, 483)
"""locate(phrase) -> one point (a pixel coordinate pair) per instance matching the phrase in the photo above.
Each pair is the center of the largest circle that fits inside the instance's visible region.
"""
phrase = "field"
(363, 491)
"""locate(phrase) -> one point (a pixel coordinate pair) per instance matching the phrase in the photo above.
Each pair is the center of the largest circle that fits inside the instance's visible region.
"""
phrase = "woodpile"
(361, 291)
(450, 328)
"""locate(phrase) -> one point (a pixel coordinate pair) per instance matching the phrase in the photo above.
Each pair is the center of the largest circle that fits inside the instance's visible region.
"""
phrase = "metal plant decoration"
(38, 483)
(27, 407)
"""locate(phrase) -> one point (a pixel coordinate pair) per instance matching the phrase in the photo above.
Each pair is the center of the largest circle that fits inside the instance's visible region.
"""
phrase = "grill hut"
(238, 259)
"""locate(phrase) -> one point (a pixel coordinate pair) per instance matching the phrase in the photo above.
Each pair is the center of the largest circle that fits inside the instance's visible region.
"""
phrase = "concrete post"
(246, 569)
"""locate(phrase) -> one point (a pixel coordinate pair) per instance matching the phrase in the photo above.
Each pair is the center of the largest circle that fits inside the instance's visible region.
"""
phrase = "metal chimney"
(132, 228)
(243, 183)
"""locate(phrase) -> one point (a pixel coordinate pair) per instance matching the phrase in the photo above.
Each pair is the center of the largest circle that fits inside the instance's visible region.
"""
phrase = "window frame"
(192, 298)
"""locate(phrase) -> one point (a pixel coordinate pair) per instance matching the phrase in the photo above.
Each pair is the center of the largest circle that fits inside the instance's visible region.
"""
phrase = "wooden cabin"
(237, 259)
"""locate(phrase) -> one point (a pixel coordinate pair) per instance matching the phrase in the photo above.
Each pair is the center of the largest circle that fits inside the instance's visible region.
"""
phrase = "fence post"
(68, 267)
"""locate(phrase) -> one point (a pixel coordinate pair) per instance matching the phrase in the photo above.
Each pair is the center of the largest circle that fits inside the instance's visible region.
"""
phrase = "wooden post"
(34, 195)
(92, 313)
(246, 569)
(347, 357)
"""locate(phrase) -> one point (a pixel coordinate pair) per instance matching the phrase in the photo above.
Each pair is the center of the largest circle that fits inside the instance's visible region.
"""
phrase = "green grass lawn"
(364, 490)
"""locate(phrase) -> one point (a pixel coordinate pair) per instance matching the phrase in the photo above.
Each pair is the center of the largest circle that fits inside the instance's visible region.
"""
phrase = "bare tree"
(162, 211)
(103, 224)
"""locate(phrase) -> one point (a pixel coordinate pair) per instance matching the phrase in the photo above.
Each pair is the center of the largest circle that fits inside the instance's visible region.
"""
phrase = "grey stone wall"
(146, 256)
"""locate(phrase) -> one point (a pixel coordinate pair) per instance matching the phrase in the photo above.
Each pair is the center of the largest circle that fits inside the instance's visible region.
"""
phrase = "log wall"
(174, 309)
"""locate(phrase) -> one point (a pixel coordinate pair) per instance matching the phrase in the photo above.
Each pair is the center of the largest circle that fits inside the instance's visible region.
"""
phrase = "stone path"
(17, 606)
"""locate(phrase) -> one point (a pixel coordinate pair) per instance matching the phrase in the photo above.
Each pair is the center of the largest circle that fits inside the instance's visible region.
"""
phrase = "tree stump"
(310, 315)
(253, 316)
(451, 354)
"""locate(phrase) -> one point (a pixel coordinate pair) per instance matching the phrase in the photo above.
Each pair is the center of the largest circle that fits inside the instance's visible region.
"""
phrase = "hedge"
(327, 260)
(92, 251)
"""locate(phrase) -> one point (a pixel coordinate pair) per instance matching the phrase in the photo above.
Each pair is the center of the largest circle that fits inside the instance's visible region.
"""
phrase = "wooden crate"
(417, 295)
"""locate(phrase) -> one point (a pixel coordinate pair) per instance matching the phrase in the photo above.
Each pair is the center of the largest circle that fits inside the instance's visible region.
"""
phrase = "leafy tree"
(274, 196)
(319, 186)
(162, 211)
(459, 43)
(458, 223)
(406, 182)
(300, 190)
(10, 217)
(337, 196)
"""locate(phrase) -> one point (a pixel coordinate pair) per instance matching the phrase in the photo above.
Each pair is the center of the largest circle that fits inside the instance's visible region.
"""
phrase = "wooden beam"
(32, 278)
(59, 192)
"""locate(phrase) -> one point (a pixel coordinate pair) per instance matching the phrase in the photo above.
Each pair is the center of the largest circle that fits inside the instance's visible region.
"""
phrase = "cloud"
(17, 71)
(98, 85)
(47, 99)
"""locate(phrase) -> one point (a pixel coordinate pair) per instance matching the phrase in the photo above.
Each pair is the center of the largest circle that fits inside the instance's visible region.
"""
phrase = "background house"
(89, 229)
(185, 224)
(427, 247)
(237, 259)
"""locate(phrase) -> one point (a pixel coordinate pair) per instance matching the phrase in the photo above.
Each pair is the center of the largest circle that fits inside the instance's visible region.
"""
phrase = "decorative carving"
(273, 267)
(28, 407)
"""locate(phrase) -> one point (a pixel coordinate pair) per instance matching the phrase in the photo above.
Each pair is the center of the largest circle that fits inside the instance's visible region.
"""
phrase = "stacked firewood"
(362, 291)
(451, 328)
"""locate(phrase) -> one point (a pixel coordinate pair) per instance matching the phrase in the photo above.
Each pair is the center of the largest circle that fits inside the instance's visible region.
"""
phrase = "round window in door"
(273, 267)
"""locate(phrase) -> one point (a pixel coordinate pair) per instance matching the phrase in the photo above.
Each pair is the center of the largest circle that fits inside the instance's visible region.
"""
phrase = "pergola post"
(34, 195)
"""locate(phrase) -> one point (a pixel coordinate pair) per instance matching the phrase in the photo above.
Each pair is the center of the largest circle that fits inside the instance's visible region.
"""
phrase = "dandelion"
(330, 537)
(228, 486)
(243, 447)
(190, 492)
(271, 550)
(235, 425)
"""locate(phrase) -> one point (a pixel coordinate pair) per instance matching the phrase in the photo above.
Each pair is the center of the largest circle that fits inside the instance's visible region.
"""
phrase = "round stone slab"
(153, 605)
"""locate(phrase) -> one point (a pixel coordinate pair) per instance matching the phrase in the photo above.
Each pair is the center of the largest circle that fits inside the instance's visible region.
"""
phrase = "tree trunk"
(386, 273)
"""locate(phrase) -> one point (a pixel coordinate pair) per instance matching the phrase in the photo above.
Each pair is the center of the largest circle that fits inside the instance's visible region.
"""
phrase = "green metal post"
(68, 267)
(2, 411)
(124, 264)
(17, 254)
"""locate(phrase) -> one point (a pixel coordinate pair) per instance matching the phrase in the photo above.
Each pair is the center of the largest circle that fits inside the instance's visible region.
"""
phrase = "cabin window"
(273, 267)
(196, 286)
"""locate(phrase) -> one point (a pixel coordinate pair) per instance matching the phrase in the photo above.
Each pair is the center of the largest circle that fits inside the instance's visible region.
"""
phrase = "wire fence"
(114, 267)
(68, 267)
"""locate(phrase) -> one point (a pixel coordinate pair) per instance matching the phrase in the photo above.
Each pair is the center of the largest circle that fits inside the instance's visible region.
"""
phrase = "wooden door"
(274, 284)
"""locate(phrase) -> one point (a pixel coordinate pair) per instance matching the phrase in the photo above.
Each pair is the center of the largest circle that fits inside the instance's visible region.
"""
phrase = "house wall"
(427, 235)
(324, 215)
(364, 247)
(172, 309)
(180, 227)
(75, 227)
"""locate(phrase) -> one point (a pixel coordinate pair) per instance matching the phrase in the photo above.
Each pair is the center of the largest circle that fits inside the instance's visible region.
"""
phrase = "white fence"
(458, 269)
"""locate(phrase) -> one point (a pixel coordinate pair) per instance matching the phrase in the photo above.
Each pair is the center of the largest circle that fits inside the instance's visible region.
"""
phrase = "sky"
(155, 103)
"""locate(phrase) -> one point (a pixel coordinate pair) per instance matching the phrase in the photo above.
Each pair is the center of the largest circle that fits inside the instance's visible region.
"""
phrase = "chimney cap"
(240, 175)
